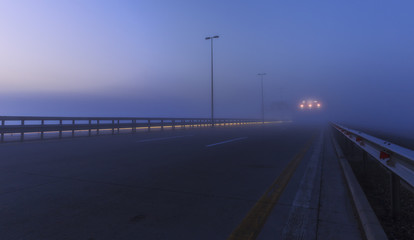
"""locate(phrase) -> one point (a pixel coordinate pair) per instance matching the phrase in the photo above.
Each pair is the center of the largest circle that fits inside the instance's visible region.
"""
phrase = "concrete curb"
(371, 227)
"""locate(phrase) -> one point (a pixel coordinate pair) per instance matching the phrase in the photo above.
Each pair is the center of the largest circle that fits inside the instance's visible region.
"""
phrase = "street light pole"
(261, 78)
(212, 85)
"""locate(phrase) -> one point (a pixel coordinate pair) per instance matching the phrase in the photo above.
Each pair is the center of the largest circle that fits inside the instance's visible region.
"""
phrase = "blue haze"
(149, 58)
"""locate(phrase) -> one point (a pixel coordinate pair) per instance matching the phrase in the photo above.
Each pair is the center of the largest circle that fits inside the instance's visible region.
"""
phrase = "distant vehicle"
(310, 105)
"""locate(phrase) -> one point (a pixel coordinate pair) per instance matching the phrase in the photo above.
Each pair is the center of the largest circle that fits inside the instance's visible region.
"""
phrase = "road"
(184, 184)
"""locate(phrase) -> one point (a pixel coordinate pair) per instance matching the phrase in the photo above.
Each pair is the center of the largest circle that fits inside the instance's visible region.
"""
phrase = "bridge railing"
(23, 125)
(399, 161)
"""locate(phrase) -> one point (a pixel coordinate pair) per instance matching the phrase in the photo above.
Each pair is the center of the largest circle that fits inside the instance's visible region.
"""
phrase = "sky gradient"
(149, 58)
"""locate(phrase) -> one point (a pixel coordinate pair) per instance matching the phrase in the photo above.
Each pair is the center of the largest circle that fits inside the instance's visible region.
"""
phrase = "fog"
(150, 59)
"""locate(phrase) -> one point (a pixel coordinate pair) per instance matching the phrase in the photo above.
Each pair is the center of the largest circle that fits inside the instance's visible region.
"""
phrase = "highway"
(184, 184)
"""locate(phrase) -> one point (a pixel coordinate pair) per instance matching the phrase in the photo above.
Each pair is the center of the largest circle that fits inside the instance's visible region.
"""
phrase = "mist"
(146, 59)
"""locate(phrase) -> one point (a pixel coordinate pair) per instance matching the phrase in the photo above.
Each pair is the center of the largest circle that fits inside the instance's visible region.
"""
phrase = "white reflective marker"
(231, 140)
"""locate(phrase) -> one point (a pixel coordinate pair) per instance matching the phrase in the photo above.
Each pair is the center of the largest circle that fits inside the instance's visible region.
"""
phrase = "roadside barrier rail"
(24, 124)
(399, 161)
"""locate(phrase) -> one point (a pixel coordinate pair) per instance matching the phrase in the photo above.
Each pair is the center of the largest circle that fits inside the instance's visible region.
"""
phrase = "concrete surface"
(162, 185)
(314, 206)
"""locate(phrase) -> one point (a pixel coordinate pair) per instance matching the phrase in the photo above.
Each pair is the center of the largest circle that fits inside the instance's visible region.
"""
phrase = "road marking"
(303, 217)
(165, 138)
(253, 222)
(231, 140)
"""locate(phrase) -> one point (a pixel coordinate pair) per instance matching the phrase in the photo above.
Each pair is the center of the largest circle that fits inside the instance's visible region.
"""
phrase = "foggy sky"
(149, 58)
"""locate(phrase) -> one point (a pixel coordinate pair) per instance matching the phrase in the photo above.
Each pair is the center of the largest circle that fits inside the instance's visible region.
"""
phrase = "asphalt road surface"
(184, 184)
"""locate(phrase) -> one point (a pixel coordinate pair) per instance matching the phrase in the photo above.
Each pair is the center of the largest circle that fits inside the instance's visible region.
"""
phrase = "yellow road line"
(252, 224)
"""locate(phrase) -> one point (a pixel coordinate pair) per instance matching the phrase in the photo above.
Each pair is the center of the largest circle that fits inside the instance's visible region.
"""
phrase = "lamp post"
(212, 92)
(261, 78)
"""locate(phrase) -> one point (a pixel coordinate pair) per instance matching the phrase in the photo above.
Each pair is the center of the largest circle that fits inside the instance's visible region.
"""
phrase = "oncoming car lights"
(310, 105)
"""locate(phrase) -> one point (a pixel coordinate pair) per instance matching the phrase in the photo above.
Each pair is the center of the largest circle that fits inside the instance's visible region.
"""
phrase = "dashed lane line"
(228, 141)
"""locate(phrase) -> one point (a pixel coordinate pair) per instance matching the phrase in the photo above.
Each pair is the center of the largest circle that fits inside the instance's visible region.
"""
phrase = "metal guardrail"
(399, 161)
(21, 125)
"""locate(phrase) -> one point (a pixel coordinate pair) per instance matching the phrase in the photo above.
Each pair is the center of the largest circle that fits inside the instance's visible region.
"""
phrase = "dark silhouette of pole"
(212, 84)
(261, 80)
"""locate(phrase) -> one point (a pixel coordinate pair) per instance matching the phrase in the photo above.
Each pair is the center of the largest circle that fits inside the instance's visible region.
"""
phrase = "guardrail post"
(118, 126)
(2, 130)
(390, 163)
(364, 162)
(22, 133)
(42, 132)
(113, 127)
(97, 127)
(149, 125)
(352, 146)
(134, 126)
(395, 196)
(346, 145)
(90, 127)
(73, 128)
(162, 124)
(60, 128)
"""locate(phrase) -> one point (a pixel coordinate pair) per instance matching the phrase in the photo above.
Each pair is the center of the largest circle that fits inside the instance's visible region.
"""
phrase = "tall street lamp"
(261, 78)
(212, 95)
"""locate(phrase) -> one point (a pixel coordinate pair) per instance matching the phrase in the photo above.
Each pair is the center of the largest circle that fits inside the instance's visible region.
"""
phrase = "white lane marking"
(231, 140)
(165, 138)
